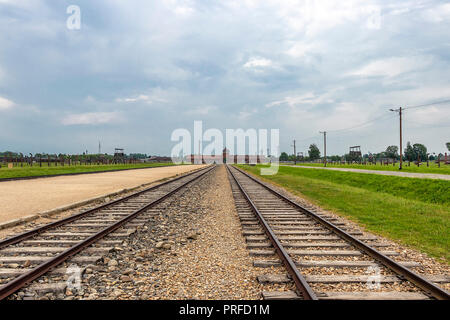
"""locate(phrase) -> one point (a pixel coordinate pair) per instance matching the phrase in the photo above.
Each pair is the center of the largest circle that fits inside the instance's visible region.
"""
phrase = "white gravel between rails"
(217, 264)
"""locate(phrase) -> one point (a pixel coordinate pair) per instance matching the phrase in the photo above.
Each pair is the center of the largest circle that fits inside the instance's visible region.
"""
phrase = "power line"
(390, 115)
(428, 104)
(351, 128)
(387, 115)
(425, 125)
(310, 138)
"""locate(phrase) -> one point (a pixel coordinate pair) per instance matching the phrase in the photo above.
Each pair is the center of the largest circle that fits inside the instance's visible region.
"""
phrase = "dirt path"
(26, 197)
(386, 173)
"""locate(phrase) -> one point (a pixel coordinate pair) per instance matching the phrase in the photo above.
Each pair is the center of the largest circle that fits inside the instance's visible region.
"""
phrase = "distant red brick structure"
(226, 158)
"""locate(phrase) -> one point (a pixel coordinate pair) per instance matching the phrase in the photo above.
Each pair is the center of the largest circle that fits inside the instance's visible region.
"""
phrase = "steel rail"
(428, 287)
(14, 285)
(31, 233)
(299, 280)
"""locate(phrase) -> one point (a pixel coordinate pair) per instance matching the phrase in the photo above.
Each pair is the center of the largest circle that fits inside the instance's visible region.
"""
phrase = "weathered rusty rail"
(429, 288)
(28, 276)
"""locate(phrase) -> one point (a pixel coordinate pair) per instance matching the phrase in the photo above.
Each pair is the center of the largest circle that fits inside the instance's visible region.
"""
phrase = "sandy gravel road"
(26, 197)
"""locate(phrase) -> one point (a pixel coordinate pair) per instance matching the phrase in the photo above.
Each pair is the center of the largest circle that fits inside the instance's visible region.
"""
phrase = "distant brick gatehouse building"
(226, 158)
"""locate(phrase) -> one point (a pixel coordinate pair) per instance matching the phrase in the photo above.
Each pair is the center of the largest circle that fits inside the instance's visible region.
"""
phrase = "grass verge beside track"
(433, 168)
(36, 171)
(412, 211)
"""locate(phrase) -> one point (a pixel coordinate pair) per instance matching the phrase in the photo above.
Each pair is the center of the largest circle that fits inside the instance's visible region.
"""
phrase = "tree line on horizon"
(411, 153)
(83, 156)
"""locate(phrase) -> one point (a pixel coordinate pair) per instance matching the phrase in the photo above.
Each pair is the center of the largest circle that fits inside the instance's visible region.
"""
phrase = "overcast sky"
(137, 70)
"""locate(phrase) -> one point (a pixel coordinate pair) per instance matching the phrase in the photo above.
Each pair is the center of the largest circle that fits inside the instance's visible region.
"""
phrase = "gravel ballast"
(428, 265)
(22, 198)
(192, 248)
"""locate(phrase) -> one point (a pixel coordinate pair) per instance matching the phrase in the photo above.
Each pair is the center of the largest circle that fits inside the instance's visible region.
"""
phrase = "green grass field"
(433, 168)
(35, 170)
(415, 212)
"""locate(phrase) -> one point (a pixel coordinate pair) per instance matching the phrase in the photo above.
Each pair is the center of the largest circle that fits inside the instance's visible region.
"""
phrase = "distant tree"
(9, 154)
(138, 155)
(314, 152)
(335, 158)
(420, 151)
(448, 145)
(409, 152)
(284, 156)
(392, 152)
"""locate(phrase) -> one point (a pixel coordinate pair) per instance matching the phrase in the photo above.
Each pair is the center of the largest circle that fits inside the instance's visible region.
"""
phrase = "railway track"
(80, 239)
(325, 258)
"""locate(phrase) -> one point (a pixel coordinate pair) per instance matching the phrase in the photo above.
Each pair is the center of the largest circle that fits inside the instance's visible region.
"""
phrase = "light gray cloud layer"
(136, 70)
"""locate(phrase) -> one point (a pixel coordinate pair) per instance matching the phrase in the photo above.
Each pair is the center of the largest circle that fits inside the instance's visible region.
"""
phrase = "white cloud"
(392, 67)
(91, 118)
(438, 14)
(141, 98)
(214, 50)
(417, 95)
(257, 62)
(301, 49)
(183, 11)
(308, 98)
(202, 110)
(243, 115)
(434, 115)
(6, 104)
(312, 120)
(316, 17)
(180, 8)
(344, 115)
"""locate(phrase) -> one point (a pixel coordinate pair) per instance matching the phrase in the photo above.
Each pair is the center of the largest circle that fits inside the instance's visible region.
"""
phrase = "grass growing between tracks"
(433, 168)
(35, 170)
(417, 217)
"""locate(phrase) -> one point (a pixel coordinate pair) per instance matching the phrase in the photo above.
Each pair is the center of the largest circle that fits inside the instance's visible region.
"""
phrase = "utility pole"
(99, 147)
(199, 153)
(399, 110)
(324, 147)
(295, 155)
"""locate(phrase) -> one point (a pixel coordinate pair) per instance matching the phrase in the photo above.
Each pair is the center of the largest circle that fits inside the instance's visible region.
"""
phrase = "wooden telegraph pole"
(399, 110)
(295, 155)
(324, 147)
